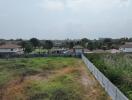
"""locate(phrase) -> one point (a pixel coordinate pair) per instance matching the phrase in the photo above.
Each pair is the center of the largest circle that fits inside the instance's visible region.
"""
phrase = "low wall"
(109, 87)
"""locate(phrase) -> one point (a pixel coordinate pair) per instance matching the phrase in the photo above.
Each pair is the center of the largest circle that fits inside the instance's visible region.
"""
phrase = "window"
(11, 49)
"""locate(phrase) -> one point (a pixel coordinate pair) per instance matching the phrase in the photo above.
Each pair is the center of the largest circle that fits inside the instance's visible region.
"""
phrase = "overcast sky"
(61, 19)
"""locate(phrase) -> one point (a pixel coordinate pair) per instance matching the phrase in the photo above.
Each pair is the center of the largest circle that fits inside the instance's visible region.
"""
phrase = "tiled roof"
(9, 46)
(126, 46)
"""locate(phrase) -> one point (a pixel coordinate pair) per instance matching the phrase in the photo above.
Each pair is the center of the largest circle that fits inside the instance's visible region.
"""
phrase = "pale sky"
(61, 19)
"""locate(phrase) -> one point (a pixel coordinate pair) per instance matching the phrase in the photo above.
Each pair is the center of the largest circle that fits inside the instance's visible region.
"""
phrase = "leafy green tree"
(107, 43)
(90, 46)
(84, 42)
(100, 45)
(107, 40)
(23, 43)
(48, 44)
(71, 44)
(35, 42)
(27, 46)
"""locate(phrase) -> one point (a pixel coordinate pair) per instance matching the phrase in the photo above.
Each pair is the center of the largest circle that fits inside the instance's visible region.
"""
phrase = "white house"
(10, 49)
(126, 48)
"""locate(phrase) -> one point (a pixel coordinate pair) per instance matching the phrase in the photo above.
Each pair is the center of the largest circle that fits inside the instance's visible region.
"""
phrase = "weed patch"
(117, 67)
(52, 78)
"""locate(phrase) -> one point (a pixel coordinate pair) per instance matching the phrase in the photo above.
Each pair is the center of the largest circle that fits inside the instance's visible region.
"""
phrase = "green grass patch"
(51, 78)
(60, 87)
(40, 50)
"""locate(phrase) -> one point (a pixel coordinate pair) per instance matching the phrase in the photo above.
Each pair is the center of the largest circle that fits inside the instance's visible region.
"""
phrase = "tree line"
(34, 43)
(102, 43)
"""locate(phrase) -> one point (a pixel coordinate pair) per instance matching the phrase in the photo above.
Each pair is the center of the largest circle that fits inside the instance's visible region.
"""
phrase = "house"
(86, 51)
(126, 47)
(57, 50)
(68, 51)
(78, 50)
(114, 51)
(10, 49)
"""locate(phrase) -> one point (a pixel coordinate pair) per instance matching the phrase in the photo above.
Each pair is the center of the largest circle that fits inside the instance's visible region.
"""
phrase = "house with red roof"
(10, 49)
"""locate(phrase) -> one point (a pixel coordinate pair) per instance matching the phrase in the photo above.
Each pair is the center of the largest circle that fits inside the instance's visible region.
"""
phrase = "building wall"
(78, 51)
(16, 50)
(126, 49)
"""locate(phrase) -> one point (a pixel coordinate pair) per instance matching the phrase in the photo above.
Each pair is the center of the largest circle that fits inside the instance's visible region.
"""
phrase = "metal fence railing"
(110, 88)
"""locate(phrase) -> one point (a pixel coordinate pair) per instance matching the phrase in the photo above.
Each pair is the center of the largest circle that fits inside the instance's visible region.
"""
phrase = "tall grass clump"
(117, 67)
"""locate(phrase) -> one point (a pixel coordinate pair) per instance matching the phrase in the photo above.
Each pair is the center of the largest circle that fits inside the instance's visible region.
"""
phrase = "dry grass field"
(53, 78)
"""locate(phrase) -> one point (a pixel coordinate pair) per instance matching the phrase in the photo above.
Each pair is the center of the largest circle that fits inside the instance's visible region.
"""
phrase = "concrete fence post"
(116, 95)
(107, 85)
(103, 81)
(97, 74)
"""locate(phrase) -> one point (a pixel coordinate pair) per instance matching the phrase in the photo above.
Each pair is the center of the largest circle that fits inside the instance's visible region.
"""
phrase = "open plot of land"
(117, 67)
(40, 51)
(54, 78)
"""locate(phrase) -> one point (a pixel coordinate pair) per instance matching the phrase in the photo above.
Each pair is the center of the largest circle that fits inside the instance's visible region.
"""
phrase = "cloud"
(83, 5)
(52, 5)
(125, 3)
(94, 5)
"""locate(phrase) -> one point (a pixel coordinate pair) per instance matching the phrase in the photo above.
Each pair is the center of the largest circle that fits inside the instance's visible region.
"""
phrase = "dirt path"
(92, 88)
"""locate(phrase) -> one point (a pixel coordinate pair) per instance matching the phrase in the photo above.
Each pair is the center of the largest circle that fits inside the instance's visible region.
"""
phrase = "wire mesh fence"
(109, 87)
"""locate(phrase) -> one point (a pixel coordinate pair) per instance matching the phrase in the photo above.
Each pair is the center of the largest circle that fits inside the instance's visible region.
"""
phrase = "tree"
(100, 45)
(27, 46)
(107, 43)
(22, 43)
(90, 46)
(48, 44)
(84, 42)
(71, 44)
(35, 42)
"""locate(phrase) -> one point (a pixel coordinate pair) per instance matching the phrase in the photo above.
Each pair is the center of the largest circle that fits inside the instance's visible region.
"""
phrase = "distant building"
(57, 50)
(78, 50)
(126, 48)
(10, 49)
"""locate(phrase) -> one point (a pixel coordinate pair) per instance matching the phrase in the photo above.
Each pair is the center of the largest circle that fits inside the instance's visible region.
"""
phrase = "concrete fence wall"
(110, 88)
